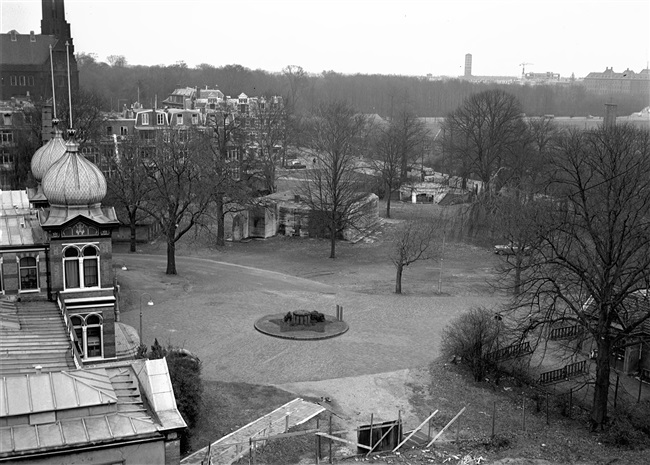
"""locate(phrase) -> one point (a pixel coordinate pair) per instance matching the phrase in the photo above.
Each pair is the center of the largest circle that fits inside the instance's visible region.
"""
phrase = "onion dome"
(73, 180)
(48, 154)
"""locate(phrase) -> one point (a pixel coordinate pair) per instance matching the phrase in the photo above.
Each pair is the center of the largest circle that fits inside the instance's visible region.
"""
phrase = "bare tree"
(269, 137)
(413, 240)
(227, 167)
(397, 144)
(181, 184)
(481, 133)
(333, 190)
(128, 185)
(590, 265)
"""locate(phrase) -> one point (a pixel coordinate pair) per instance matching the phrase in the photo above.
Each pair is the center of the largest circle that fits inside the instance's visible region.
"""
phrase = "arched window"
(71, 267)
(91, 266)
(90, 335)
(93, 336)
(28, 273)
(81, 267)
(77, 324)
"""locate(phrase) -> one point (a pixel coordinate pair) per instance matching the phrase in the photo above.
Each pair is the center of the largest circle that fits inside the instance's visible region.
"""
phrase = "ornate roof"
(73, 180)
(47, 155)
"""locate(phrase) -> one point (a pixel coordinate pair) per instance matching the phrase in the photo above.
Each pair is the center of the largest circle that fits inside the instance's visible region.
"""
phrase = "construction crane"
(523, 68)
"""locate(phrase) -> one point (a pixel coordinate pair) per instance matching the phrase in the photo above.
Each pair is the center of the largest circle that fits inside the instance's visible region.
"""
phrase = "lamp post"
(150, 303)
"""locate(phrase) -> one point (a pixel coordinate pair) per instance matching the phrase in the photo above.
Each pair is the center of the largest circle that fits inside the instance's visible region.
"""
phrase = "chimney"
(32, 37)
(610, 115)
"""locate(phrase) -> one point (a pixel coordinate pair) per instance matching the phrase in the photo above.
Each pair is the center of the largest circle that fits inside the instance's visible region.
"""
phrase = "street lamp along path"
(150, 303)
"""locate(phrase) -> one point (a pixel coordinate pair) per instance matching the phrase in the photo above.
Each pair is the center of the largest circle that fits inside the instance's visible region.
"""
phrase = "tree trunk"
(398, 279)
(133, 228)
(221, 224)
(171, 256)
(389, 192)
(601, 387)
(518, 260)
(333, 245)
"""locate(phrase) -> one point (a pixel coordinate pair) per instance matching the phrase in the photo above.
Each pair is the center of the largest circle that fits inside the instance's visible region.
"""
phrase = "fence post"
(570, 401)
(250, 450)
(547, 422)
(317, 448)
(429, 433)
(330, 431)
(494, 413)
(286, 423)
(318, 437)
(616, 391)
(458, 430)
(523, 412)
(372, 416)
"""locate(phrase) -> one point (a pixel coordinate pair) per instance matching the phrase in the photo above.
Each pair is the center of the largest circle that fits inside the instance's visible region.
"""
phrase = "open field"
(382, 365)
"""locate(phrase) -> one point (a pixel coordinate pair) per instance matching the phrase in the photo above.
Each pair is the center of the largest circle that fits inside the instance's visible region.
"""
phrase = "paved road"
(210, 308)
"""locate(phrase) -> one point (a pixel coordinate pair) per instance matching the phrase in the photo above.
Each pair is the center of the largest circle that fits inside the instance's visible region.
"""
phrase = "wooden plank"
(414, 431)
(446, 426)
(299, 412)
(381, 438)
(335, 438)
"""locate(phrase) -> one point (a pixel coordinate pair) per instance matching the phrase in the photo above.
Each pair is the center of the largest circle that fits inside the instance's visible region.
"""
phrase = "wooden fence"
(565, 332)
(511, 351)
(561, 374)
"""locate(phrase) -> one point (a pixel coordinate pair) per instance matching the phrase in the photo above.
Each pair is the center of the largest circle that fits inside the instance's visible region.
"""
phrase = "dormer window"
(160, 119)
(179, 119)
(145, 119)
(195, 118)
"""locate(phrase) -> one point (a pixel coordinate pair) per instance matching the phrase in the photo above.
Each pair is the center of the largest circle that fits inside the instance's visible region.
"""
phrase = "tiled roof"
(23, 51)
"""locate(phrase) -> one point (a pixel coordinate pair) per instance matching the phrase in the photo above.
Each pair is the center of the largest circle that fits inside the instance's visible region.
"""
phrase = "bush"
(471, 336)
(185, 375)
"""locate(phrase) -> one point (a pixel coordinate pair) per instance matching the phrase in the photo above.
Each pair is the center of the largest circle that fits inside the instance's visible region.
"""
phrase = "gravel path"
(210, 308)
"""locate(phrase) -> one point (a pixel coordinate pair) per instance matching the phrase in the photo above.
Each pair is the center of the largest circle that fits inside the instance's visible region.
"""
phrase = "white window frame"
(195, 118)
(80, 259)
(145, 119)
(20, 281)
(2, 277)
(84, 334)
(179, 119)
(160, 119)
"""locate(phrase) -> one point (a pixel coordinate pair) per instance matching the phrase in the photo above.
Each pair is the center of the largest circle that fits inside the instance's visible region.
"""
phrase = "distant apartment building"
(610, 82)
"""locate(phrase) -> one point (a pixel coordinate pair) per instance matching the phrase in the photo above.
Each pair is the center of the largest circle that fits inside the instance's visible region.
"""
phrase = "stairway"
(40, 340)
(126, 386)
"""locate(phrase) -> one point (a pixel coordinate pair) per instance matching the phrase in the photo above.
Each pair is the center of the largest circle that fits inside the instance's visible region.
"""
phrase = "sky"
(401, 37)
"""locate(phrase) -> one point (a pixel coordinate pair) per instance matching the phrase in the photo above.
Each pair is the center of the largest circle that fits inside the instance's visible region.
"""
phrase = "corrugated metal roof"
(63, 392)
(46, 392)
(19, 225)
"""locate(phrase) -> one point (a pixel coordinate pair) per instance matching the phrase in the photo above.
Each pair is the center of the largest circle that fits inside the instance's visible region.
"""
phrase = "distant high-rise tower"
(468, 65)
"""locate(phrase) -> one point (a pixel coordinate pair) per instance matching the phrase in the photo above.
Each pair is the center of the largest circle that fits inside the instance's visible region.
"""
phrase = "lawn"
(363, 272)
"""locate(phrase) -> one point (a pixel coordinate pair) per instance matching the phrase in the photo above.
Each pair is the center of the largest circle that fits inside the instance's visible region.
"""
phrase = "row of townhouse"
(257, 124)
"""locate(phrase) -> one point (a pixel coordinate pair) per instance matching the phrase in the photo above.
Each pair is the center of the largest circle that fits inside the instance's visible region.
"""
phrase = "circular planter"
(274, 325)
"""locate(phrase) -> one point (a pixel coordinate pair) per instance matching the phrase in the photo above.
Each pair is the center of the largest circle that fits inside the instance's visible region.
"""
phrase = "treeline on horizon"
(374, 94)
